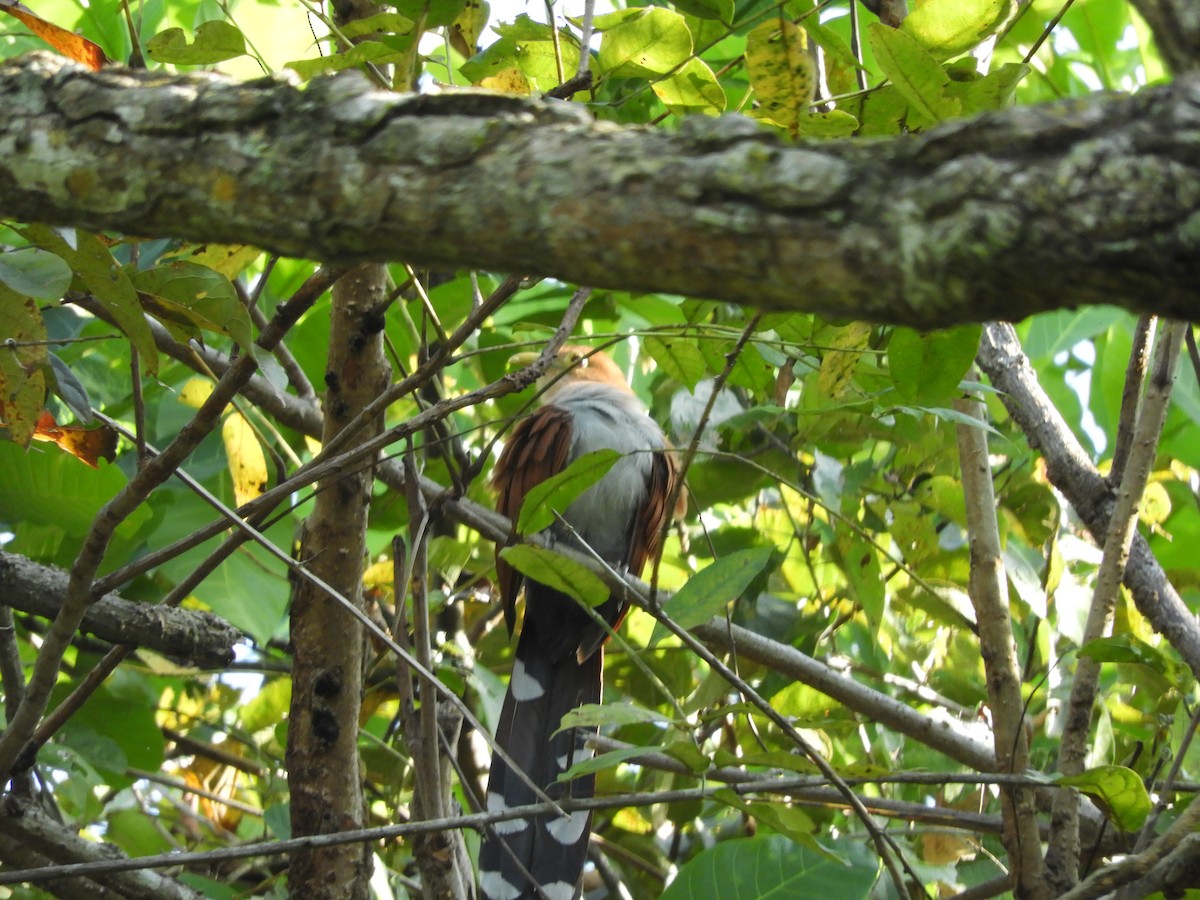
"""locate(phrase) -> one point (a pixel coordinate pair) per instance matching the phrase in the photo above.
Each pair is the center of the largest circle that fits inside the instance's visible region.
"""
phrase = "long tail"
(543, 856)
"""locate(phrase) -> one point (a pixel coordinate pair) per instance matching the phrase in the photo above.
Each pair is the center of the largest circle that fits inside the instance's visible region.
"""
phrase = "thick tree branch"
(993, 218)
(29, 834)
(189, 636)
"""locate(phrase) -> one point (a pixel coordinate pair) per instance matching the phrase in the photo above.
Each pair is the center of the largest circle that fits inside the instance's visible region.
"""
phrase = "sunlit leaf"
(215, 41)
(377, 52)
(860, 562)
(1118, 791)
(692, 89)
(466, 29)
(247, 462)
(507, 81)
(678, 357)
(835, 123)
(388, 21)
(948, 27)
(591, 715)
(231, 260)
(528, 47)
(914, 73)
(601, 761)
(781, 818)
(649, 44)
(928, 366)
(837, 368)
(436, 13)
(195, 391)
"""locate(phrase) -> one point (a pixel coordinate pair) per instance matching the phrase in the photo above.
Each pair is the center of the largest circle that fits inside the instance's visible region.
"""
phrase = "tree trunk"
(327, 642)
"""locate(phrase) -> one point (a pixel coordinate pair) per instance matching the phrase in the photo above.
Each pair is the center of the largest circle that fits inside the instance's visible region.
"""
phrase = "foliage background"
(827, 507)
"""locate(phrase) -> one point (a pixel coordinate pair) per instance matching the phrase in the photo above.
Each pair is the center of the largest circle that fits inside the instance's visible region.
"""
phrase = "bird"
(586, 405)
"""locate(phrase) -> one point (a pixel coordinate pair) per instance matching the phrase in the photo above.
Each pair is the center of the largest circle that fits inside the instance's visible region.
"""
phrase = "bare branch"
(191, 637)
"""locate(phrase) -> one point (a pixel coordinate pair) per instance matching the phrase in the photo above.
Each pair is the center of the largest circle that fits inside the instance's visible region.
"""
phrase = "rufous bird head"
(574, 364)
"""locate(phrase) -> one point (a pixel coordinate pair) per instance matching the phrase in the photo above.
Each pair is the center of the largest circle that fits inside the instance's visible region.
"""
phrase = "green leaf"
(593, 715)
(914, 72)
(1127, 649)
(190, 296)
(390, 22)
(529, 47)
(693, 89)
(790, 821)
(35, 273)
(708, 591)
(51, 488)
(557, 493)
(721, 10)
(1118, 791)
(558, 572)
(769, 866)
(436, 12)
(216, 41)
(609, 21)
(359, 55)
(994, 91)
(860, 562)
(678, 357)
(826, 125)
(643, 46)
(927, 367)
(949, 27)
(105, 279)
(602, 760)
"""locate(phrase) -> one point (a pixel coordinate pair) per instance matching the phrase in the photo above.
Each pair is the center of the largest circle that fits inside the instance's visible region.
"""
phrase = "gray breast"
(604, 417)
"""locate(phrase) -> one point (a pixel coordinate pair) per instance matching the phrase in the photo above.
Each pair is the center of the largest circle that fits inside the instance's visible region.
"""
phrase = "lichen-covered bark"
(992, 218)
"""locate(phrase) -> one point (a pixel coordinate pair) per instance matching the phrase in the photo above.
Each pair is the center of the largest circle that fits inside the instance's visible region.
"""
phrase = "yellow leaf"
(507, 81)
(195, 392)
(465, 31)
(781, 72)
(836, 378)
(379, 574)
(247, 462)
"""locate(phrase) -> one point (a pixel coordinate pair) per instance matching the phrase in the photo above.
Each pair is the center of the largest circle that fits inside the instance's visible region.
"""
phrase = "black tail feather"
(540, 857)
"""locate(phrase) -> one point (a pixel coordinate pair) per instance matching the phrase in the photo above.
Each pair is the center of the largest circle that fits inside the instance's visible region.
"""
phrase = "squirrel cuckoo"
(557, 667)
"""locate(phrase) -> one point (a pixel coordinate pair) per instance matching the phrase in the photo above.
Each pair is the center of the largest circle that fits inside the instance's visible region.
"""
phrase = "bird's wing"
(537, 449)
